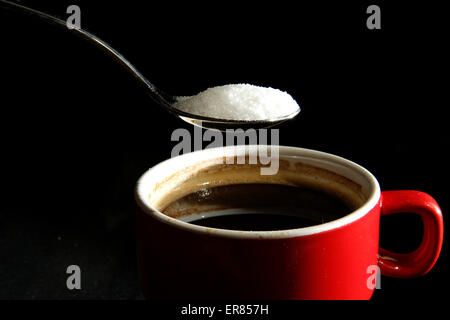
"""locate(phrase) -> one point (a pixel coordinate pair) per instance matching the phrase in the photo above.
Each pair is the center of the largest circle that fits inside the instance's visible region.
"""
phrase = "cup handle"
(421, 260)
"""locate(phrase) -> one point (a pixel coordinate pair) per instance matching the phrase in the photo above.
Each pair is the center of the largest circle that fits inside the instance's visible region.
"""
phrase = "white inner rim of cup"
(336, 164)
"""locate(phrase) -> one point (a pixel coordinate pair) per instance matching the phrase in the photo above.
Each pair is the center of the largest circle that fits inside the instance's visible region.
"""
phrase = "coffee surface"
(258, 207)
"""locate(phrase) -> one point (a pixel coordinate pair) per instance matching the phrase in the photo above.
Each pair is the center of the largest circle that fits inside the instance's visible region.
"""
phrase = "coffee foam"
(216, 172)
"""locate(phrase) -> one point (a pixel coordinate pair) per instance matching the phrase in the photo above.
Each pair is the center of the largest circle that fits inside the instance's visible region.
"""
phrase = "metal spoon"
(161, 98)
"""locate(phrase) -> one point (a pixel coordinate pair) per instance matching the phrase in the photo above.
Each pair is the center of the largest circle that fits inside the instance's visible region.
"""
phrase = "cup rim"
(369, 204)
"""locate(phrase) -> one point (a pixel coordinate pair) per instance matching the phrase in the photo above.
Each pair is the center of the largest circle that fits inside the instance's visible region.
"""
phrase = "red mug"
(333, 260)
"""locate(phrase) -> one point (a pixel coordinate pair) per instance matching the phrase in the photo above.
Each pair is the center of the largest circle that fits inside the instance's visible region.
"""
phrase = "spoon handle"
(159, 96)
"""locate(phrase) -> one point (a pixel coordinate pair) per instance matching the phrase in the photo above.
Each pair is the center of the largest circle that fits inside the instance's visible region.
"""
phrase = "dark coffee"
(258, 207)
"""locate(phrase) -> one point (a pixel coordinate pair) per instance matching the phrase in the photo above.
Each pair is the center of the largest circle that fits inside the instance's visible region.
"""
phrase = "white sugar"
(239, 102)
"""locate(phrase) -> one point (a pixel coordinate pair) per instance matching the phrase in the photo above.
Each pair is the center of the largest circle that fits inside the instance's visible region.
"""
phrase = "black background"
(77, 130)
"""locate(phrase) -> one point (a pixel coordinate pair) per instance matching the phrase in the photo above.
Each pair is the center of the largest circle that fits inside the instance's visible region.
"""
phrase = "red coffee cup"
(334, 260)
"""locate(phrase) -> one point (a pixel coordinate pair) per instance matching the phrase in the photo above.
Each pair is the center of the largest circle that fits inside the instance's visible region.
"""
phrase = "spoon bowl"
(223, 124)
